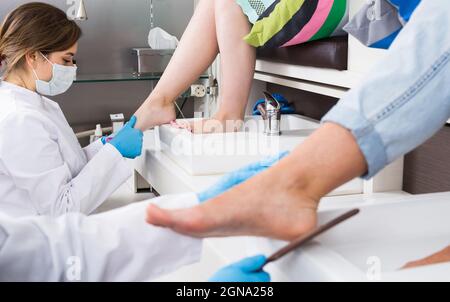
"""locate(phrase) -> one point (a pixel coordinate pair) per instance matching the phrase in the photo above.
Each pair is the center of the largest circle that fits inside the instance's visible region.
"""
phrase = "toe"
(186, 221)
(159, 217)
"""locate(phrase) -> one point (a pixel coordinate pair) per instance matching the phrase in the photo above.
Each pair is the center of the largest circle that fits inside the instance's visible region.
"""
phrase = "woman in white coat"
(43, 169)
(113, 246)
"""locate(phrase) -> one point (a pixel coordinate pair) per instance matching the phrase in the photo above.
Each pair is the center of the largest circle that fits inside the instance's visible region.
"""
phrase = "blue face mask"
(62, 79)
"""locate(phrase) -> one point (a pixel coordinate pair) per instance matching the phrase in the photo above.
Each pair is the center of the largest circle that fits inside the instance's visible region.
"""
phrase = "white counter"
(166, 177)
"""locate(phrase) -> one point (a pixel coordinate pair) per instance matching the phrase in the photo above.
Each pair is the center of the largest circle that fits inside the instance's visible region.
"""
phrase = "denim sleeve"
(405, 99)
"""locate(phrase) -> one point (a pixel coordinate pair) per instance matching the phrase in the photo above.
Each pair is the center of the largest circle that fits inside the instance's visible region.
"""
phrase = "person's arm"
(114, 246)
(405, 99)
(92, 149)
(128, 141)
(31, 154)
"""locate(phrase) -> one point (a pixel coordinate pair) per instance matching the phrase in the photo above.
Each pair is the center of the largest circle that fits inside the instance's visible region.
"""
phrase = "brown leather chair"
(328, 53)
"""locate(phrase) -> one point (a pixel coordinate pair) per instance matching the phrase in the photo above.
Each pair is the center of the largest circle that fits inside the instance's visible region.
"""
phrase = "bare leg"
(197, 50)
(218, 24)
(237, 60)
(281, 202)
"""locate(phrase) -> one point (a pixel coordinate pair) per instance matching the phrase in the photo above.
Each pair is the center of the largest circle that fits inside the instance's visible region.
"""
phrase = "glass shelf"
(120, 77)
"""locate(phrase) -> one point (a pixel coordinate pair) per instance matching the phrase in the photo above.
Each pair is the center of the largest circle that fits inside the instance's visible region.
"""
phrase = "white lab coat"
(43, 169)
(113, 246)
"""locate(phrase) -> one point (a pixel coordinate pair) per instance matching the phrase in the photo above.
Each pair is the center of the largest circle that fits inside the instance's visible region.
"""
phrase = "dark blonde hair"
(35, 27)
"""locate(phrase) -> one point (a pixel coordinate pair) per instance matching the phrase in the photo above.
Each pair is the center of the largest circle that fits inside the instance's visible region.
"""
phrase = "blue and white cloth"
(379, 22)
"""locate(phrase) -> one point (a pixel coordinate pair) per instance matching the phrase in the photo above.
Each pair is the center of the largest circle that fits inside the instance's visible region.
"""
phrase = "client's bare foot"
(218, 124)
(439, 257)
(256, 208)
(154, 112)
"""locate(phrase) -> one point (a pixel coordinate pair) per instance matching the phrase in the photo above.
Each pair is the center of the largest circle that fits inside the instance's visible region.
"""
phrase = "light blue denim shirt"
(405, 99)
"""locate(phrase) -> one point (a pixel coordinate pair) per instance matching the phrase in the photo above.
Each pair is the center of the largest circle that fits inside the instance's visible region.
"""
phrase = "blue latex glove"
(247, 270)
(105, 139)
(129, 140)
(286, 108)
(237, 177)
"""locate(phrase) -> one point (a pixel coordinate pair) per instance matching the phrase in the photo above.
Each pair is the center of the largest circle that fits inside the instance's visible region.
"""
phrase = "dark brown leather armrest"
(328, 53)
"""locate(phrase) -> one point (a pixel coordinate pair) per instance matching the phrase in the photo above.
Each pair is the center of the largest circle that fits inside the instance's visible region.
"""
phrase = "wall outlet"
(198, 91)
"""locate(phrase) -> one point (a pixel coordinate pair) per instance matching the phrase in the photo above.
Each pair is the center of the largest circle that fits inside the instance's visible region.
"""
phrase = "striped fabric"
(254, 8)
(291, 22)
